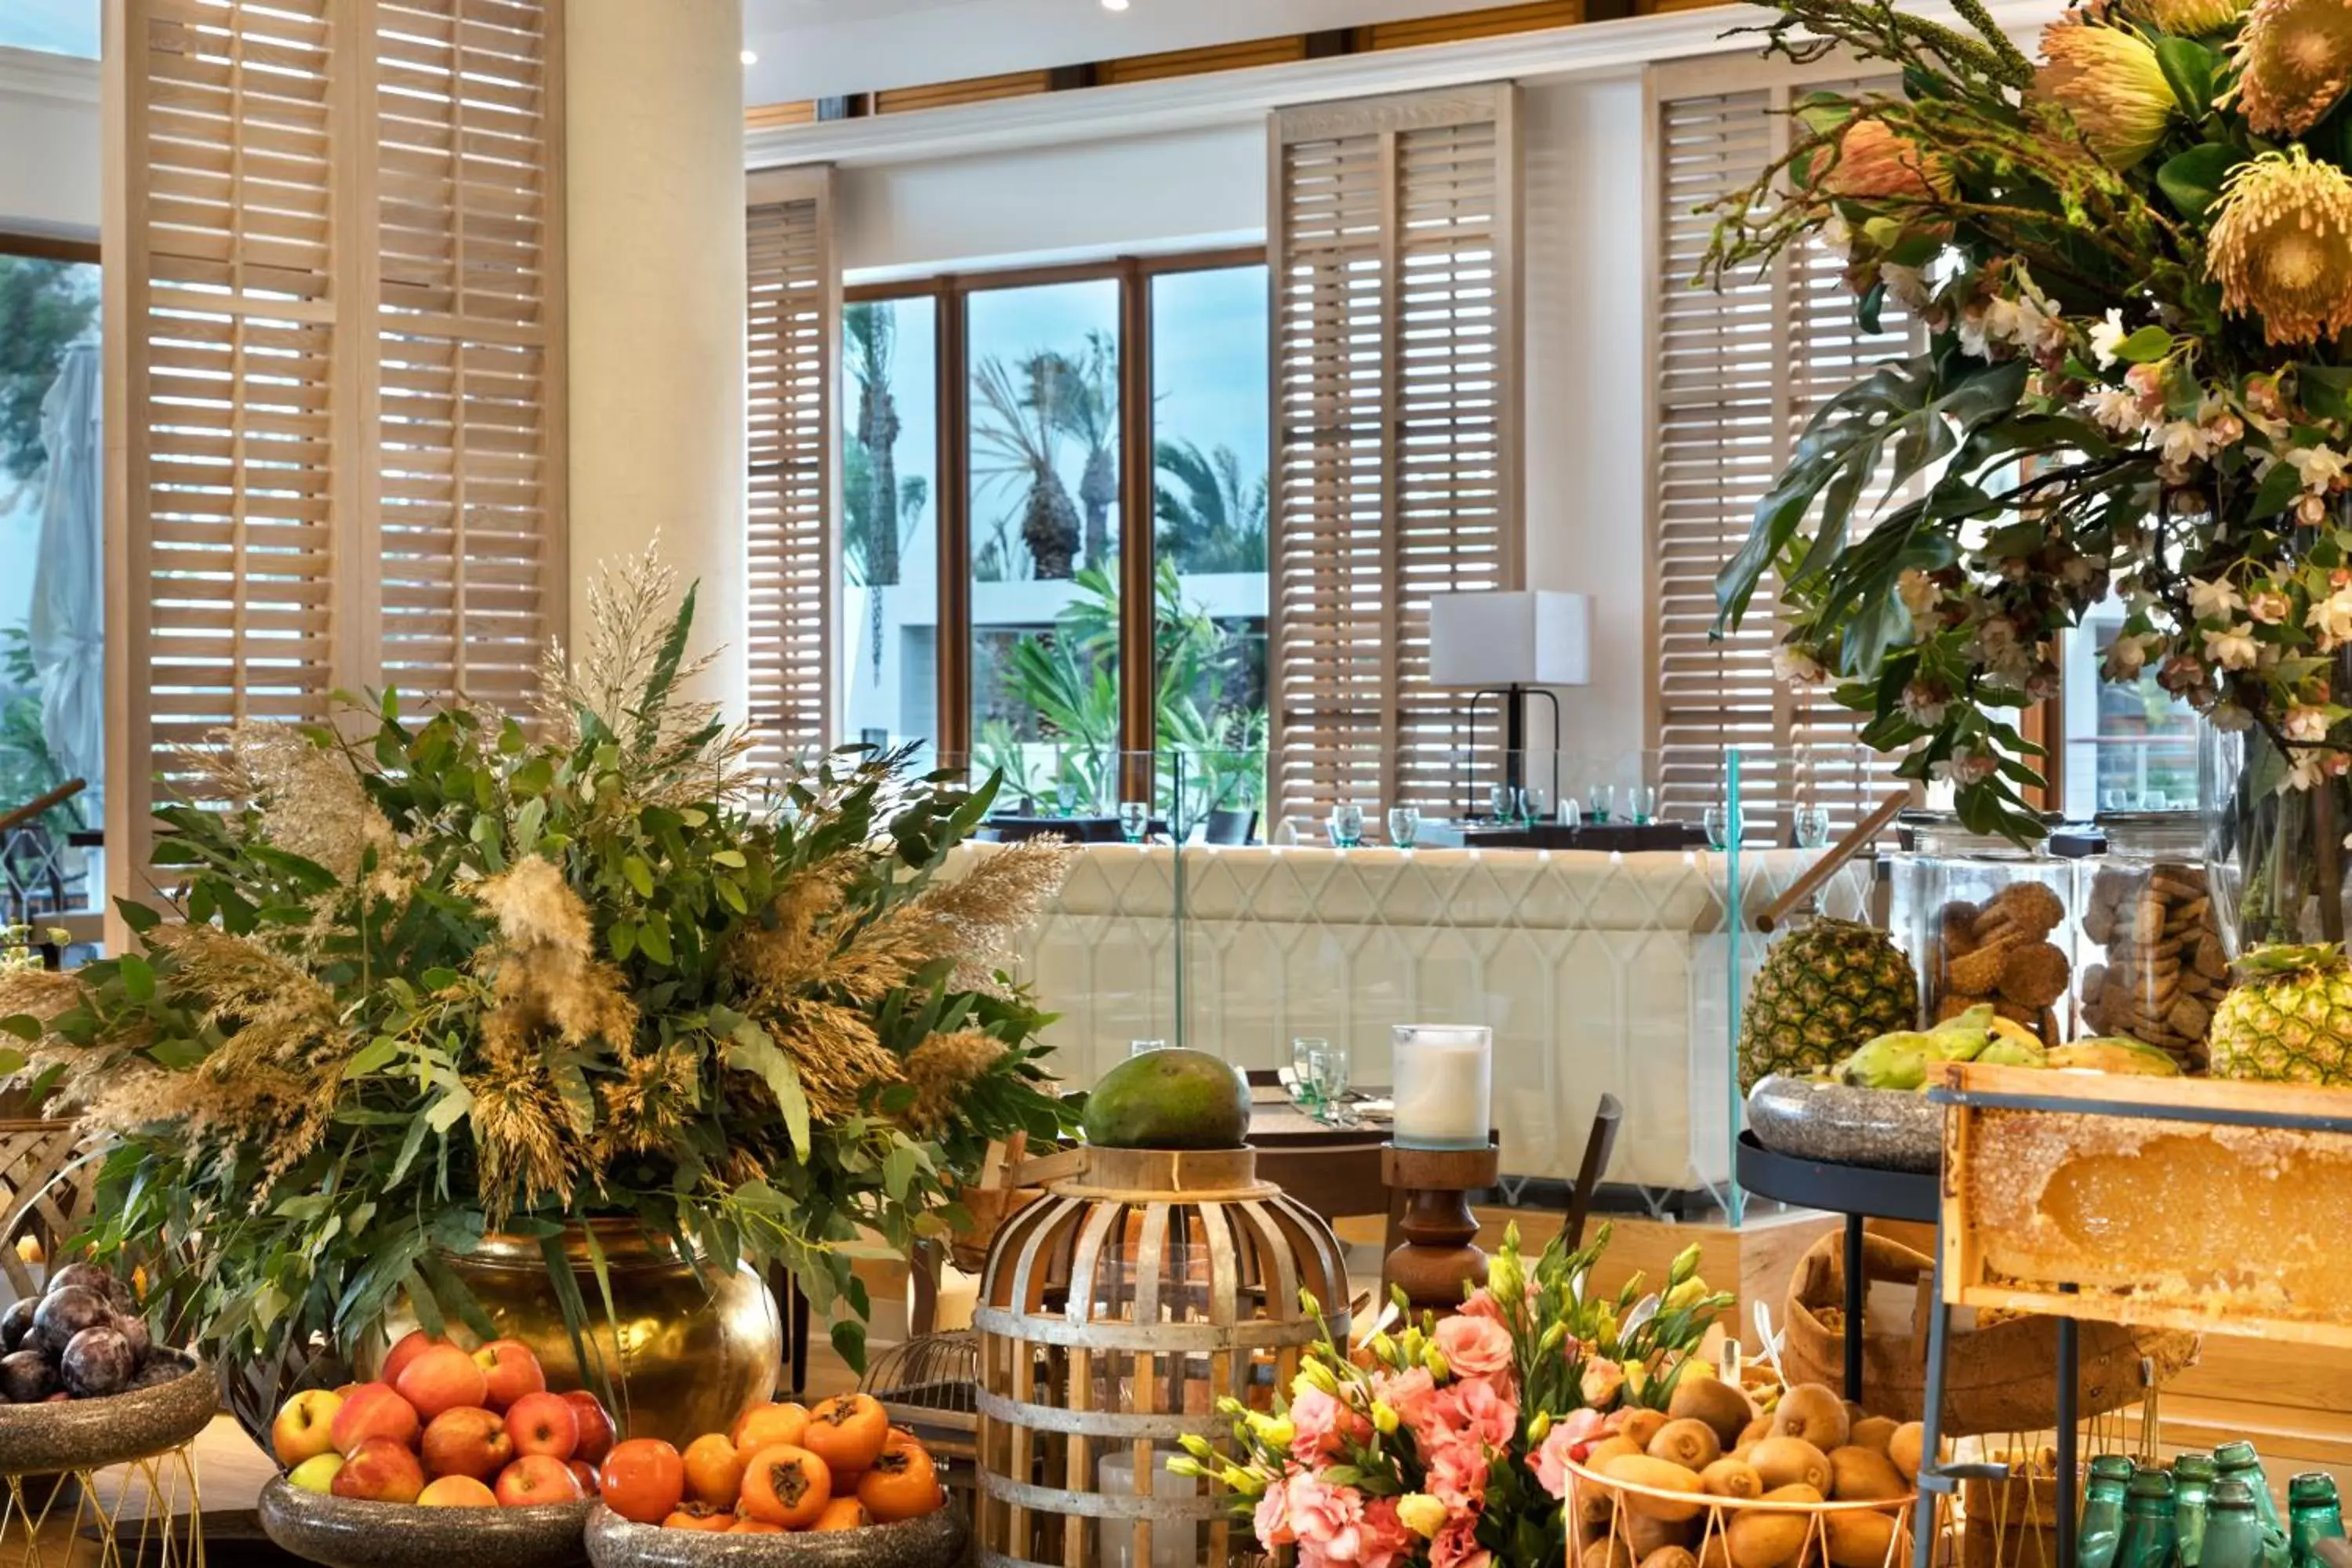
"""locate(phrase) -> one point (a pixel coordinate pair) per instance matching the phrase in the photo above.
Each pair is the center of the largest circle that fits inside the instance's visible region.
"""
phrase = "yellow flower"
(1421, 1513)
(2282, 246)
(2110, 82)
(1683, 1294)
(2294, 61)
(2187, 18)
(1384, 1417)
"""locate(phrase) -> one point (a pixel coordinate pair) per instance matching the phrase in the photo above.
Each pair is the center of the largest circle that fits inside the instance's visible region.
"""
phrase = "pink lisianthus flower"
(1456, 1467)
(1271, 1519)
(1412, 1395)
(1319, 1423)
(1481, 1306)
(1456, 1546)
(1480, 1409)
(1325, 1520)
(1550, 1462)
(1475, 1347)
(1383, 1539)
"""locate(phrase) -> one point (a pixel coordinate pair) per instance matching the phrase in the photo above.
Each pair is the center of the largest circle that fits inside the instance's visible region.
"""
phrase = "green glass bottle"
(2151, 1532)
(2192, 1490)
(2234, 1528)
(2102, 1511)
(2313, 1514)
(2237, 1461)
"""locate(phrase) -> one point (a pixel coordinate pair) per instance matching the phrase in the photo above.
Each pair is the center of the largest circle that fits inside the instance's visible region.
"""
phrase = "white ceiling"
(823, 48)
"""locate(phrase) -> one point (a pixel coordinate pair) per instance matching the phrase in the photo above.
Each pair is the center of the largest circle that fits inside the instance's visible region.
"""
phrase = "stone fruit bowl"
(935, 1540)
(88, 1434)
(346, 1533)
(1888, 1129)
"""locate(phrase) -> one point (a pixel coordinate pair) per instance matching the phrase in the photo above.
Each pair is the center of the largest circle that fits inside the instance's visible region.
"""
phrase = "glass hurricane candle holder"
(1445, 1079)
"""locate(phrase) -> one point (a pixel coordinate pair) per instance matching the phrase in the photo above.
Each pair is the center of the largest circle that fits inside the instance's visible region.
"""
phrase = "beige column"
(653, 187)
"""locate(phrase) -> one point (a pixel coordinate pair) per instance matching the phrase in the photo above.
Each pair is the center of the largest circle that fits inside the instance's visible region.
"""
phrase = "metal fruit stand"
(2183, 1203)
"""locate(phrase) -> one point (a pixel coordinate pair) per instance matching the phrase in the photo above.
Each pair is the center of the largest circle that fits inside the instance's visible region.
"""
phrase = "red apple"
(467, 1441)
(443, 1378)
(303, 1429)
(596, 1432)
(545, 1424)
(511, 1371)
(414, 1344)
(537, 1478)
(586, 1474)
(381, 1470)
(372, 1410)
(457, 1492)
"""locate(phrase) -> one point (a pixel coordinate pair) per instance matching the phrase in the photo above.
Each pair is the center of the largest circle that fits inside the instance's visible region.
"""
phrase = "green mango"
(2009, 1053)
(1979, 1018)
(1898, 1060)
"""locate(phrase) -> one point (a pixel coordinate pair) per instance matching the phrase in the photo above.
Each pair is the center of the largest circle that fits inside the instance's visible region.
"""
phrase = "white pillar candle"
(1444, 1086)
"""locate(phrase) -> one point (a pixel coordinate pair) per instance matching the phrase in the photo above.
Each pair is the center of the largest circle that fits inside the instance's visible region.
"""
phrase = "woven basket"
(1615, 1524)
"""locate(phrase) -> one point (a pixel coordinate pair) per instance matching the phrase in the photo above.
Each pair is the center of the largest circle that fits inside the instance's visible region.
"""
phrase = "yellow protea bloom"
(2281, 246)
(2187, 18)
(2109, 80)
(2294, 61)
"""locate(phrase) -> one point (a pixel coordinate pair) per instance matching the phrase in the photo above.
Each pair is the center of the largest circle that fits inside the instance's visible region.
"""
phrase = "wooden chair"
(1599, 1144)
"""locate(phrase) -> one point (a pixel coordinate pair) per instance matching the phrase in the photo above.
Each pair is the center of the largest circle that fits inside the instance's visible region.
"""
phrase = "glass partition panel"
(890, 541)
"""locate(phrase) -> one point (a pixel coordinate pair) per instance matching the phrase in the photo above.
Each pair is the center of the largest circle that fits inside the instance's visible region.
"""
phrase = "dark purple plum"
(159, 1369)
(96, 1363)
(133, 1328)
(17, 1323)
(25, 1377)
(65, 1312)
(83, 1275)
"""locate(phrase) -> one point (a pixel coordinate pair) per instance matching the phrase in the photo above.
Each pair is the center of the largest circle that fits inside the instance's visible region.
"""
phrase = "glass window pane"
(52, 658)
(54, 26)
(1210, 439)
(2128, 747)
(1044, 444)
(889, 537)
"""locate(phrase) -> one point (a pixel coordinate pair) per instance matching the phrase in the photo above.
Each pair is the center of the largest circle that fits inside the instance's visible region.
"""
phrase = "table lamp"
(1502, 643)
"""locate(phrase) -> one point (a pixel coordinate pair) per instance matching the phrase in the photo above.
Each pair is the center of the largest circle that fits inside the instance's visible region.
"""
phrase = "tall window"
(889, 624)
(52, 26)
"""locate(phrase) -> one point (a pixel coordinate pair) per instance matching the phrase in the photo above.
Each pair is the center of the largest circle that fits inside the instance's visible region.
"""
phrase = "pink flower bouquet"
(1446, 1444)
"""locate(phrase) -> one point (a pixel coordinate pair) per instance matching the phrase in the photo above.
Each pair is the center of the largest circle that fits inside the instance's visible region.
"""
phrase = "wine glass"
(1600, 802)
(1720, 829)
(1348, 826)
(1641, 803)
(1326, 1069)
(1534, 803)
(1812, 827)
(1302, 1066)
(1134, 817)
(1065, 797)
(1405, 826)
(1507, 803)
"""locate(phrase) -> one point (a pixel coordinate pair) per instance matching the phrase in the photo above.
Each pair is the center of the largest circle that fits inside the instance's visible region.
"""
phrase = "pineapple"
(2288, 1019)
(1824, 989)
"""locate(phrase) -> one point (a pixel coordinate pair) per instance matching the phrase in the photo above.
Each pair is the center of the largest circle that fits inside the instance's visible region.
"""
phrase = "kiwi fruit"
(1611, 1552)
(1661, 1476)
(1731, 1478)
(1859, 1538)
(1764, 1538)
(1724, 1408)
(1860, 1475)
(1645, 1536)
(1902, 1449)
(1795, 1492)
(1813, 1413)
(1789, 1461)
(1688, 1442)
(1609, 1449)
(1756, 1431)
(1714, 1552)
(1641, 1426)
(1871, 1432)
(1670, 1557)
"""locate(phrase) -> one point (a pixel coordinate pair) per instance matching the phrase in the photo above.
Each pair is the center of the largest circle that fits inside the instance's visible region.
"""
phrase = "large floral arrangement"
(2133, 259)
(429, 979)
(1447, 1443)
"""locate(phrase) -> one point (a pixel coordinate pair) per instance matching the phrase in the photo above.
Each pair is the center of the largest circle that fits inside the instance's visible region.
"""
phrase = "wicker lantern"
(1113, 1313)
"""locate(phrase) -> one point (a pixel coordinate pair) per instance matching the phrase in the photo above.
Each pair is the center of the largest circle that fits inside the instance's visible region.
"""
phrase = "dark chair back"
(1599, 1143)
(1231, 827)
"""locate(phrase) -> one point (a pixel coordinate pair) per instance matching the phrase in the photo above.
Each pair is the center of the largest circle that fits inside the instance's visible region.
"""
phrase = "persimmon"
(847, 1432)
(699, 1516)
(764, 1425)
(642, 1480)
(842, 1513)
(902, 1483)
(746, 1525)
(714, 1469)
(786, 1485)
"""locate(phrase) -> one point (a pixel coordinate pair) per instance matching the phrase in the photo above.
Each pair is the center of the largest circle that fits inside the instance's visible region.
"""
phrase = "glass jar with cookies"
(1987, 922)
(2153, 965)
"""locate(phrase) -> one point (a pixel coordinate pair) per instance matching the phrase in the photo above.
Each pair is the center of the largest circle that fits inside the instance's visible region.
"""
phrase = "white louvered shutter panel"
(334, 389)
(796, 300)
(1393, 229)
(1739, 374)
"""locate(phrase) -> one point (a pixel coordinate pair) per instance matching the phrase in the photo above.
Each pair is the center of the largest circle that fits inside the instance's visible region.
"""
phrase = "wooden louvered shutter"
(795, 315)
(1739, 374)
(334, 383)
(1393, 247)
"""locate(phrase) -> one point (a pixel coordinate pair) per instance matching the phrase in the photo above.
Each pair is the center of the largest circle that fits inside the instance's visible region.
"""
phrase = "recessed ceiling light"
(750, 56)
(1114, 5)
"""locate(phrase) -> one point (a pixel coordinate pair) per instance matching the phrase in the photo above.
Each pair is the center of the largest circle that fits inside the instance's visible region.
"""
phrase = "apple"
(537, 1478)
(467, 1441)
(317, 1473)
(303, 1429)
(442, 1377)
(511, 1370)
(586, 1474)
(414, 1344)
(545, 1424)
(596, 1431)
(381, 1470)
(373, 1410)
(457, 1492)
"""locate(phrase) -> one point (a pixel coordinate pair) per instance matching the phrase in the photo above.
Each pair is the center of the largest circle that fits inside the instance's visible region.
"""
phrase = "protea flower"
(2109, 80)
(2294, 59)
(2187, 18)
(1872, 162)
(2282, 246)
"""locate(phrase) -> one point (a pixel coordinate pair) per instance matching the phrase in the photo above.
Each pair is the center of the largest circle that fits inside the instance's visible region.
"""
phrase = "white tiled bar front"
(1598, 973)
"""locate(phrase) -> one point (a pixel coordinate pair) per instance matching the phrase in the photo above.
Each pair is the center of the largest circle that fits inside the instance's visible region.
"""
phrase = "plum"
(65, 1312)
(133, 1328)
(87, 1275)
(17, 1323)
(96, 1363)
(25, 1377)
(160, 1369)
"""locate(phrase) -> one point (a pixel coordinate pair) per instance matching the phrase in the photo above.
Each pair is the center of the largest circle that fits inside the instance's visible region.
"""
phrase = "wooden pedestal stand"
(1439, 1254)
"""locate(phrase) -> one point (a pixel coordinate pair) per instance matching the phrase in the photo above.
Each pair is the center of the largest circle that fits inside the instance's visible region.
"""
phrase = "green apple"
(316, 1474)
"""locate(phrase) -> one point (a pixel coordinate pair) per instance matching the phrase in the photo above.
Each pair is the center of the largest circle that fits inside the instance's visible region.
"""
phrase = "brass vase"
(686, 1352)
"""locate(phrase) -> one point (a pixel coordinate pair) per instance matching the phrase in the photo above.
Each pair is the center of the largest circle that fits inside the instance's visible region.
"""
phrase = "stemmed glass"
(1405, 826)
(1534, 803)
(1812, 827)
(1600, 802)
(1134, 817)
(1303, 1049)
(1641, 803)
(1348, 826)
(1327, 1070)
(1065, 797)
(1508, 804)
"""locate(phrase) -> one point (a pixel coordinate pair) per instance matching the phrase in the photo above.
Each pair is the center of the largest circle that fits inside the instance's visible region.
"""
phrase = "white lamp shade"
(1529, 637)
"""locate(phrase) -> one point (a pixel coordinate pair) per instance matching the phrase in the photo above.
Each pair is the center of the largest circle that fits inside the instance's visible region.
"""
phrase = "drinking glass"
(1348, 826)
(1812, 827)
(1327, 1070)
(1508, 803)
(1716, 820)
(1065, 797)
(1599, 801)
(1134, 817)
(1405, 826)
(1534, 803)
(1641, 803)
(1141, 1048)
(1302, 1066)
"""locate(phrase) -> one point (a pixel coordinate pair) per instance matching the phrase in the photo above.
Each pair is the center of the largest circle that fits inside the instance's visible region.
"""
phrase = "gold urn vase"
(687, 1350)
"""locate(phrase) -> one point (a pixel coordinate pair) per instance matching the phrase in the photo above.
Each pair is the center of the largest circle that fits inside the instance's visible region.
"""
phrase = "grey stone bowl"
(86, 1434)
(1888, 1129)
(347, 1532)
(935, 1540)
